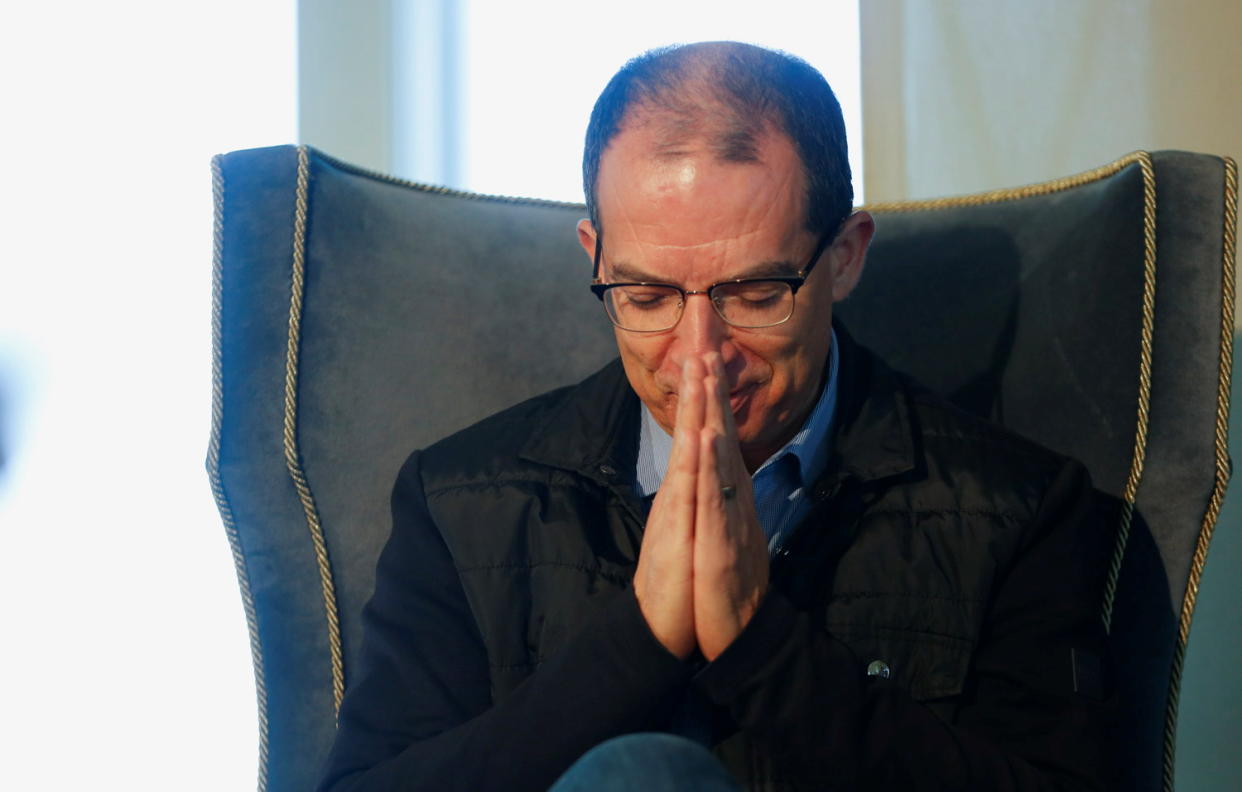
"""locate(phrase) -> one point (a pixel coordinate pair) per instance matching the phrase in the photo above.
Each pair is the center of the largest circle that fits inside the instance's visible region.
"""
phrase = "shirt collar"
(809, 446)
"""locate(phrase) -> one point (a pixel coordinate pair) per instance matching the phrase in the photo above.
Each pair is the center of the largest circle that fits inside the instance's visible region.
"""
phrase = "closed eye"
(646, 297)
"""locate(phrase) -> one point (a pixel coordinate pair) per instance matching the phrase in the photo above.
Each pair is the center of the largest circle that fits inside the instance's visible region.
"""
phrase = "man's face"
(687, 219)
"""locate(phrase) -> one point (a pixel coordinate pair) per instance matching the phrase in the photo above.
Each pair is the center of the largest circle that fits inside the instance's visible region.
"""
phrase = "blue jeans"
(648, 762)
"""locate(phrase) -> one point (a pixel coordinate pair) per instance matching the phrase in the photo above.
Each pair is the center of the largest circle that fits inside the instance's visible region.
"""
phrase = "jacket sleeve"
(419, 713)
(1020, 725)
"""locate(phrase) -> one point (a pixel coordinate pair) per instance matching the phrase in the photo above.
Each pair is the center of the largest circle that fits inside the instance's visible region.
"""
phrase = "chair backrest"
(357, 317)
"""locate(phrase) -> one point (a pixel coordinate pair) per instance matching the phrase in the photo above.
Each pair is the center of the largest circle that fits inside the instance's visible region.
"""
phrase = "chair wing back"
(1093, 314)
(357, 317)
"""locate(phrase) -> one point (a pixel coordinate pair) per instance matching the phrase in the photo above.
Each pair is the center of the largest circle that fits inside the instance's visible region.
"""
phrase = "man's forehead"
(668, 144)
(645, 172)
(711, 128)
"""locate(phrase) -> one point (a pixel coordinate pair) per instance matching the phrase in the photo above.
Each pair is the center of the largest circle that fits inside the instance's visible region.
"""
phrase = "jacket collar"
(875, 434)
(593, 429)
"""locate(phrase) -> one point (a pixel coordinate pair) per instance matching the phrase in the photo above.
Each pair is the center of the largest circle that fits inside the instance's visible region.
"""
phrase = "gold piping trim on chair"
(436, 189)
(1223, 466)
(1143, 160)
(213, 459)
(293, 457)
(1130, 494)
(1010, 193)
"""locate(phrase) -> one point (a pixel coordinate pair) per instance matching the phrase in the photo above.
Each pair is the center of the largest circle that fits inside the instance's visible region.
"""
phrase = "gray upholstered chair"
(358, 317)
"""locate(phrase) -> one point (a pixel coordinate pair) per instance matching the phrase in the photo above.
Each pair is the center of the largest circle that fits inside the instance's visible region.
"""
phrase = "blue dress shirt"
(780, 482)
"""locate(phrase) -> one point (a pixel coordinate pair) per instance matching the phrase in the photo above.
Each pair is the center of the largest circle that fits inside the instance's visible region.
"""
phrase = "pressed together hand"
(703, 565)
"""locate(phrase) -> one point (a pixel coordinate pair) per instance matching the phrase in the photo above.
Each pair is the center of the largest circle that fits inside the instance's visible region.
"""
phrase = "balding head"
(725, 96)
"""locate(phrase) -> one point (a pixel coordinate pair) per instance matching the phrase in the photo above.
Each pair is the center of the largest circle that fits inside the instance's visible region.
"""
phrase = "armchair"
(358, 316)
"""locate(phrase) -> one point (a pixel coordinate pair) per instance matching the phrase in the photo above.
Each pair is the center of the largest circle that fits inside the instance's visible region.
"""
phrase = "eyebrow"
(624, 271)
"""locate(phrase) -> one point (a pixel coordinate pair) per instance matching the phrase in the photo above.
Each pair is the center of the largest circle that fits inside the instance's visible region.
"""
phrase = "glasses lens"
(757, 303)
(643, 308)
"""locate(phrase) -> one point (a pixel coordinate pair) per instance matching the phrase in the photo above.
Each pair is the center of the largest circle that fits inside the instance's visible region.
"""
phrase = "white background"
(124, 660)
(534, 70)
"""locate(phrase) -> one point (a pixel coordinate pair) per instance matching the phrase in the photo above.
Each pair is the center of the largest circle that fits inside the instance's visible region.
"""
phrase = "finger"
(730, 467)
(710, 506)
(691, 395)
(714, 451)
(689, 419)
(716, 512)
(716, 370)
(664, 578)
(715, 436)
(715, 468)
(710, 499)
(683, 463)
(716, 403)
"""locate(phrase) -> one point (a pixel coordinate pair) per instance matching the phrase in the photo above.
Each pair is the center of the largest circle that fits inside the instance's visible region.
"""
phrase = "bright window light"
(529, 94)
(126, 658)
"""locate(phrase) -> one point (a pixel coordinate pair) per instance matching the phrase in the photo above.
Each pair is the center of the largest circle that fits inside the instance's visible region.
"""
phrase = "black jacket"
(934, 623)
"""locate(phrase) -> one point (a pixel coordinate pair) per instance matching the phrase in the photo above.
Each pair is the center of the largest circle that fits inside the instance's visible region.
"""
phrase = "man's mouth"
(739, 397)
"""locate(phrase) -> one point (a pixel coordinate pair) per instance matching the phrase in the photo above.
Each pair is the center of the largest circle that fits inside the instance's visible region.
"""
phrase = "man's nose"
(701, 329)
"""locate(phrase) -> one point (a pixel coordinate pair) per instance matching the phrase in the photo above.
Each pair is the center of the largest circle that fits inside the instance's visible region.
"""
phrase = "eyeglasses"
(745, 302)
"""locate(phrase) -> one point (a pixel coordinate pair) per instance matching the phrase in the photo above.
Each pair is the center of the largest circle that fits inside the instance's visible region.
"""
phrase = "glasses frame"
(599, 288)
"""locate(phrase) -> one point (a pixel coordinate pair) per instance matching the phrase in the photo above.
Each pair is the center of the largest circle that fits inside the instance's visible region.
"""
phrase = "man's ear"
(586, 237)
(848, 253)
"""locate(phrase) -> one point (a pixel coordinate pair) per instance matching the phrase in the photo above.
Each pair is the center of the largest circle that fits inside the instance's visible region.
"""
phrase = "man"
(749, 532)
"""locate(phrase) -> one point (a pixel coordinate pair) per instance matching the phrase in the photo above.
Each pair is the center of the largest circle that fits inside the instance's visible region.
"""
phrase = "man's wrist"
(769, 628)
